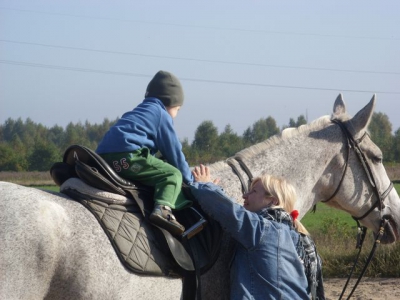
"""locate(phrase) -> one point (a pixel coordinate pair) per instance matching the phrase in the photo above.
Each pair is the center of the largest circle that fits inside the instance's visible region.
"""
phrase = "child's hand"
(202, 174)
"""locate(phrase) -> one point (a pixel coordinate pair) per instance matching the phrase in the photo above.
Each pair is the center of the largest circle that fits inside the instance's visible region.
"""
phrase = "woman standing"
(274, 257)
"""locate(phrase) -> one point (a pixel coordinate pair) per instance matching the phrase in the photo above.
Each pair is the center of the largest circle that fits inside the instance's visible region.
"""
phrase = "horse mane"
(219, 166)
(286, 134)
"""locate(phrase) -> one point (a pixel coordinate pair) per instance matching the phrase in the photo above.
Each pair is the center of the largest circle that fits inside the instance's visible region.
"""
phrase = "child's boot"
(162, 216)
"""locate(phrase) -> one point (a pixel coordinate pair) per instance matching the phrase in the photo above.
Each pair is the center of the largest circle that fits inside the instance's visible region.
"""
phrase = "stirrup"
(196, 227)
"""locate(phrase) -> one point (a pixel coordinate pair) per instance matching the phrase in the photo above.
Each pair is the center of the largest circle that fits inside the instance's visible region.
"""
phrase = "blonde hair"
(283, 192)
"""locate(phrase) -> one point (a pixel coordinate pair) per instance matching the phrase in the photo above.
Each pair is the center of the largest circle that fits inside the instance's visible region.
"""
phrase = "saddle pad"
(137, 244)
(132, 238)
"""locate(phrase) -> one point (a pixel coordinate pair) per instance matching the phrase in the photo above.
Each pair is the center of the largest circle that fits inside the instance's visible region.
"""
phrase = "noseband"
(355, 145)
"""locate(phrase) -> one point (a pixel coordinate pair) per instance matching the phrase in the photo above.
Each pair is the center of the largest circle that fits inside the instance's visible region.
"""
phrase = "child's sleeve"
(171, 148)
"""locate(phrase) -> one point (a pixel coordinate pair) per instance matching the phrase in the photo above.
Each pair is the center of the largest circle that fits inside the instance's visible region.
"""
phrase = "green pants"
(145, 168)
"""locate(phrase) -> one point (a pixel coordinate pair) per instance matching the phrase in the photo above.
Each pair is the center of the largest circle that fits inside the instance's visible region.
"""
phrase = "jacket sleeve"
(171, 148)
(244, 226)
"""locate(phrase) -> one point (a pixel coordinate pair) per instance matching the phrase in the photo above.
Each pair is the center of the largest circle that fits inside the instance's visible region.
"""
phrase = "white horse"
(53, 248)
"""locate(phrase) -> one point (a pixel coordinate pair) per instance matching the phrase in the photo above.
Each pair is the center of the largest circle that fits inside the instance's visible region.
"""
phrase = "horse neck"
(302, 160)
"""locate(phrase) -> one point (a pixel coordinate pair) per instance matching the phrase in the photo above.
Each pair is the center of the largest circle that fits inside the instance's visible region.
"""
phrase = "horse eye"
(377, 159)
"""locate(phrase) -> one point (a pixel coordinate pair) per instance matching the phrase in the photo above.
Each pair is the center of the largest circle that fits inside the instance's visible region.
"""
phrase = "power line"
(64, 68)
(204, 27)
(197, 59)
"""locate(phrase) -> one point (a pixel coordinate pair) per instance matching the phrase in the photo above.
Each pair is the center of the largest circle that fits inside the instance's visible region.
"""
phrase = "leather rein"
(232, 162)
(237, 164)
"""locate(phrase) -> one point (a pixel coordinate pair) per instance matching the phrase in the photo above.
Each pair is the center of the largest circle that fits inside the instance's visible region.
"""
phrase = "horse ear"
(361, 120)
(339, 107)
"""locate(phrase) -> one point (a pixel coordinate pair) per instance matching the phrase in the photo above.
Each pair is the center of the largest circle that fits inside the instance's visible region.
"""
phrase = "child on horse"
(130, 146)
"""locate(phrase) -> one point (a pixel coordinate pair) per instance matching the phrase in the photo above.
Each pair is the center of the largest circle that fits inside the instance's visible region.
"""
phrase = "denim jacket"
(266, 264)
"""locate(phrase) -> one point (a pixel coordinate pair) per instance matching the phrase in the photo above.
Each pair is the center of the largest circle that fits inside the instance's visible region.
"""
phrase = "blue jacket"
(266, 264)
(148, 125)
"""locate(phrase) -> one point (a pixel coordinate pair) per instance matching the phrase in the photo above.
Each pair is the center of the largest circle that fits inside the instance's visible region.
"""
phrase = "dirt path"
(368, 289)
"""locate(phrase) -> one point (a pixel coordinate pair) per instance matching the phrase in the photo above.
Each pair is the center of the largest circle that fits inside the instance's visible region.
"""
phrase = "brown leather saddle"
(187, 256)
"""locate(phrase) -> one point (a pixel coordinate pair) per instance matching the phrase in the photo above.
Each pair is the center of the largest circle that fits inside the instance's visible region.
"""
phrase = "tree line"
(29, 146)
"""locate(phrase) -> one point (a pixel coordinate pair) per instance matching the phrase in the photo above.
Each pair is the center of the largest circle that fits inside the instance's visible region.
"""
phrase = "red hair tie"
(294, 214)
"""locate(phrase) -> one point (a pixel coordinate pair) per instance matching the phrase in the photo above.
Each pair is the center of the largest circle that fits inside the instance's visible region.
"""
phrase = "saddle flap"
(205, 245)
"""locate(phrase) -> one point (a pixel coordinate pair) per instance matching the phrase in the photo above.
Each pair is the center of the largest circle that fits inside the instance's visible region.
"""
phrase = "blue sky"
(239, 61)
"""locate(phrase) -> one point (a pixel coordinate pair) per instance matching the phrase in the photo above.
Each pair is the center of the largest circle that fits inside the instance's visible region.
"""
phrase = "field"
(335, 234)
(28, 178)
(325, 215)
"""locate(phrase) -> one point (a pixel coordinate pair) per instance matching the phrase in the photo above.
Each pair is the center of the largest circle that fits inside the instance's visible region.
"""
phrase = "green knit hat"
(166, 87)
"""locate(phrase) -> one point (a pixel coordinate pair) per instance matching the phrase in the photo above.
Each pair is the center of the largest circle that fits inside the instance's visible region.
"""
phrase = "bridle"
(351, 143)
(379, 203)
(355, 145)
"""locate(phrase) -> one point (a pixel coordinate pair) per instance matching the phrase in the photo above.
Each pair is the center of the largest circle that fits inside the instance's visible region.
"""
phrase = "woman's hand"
(202, 174)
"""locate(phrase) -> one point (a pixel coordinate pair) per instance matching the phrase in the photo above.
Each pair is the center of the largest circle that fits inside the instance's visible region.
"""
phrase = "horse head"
(362, 188)
(332, 160)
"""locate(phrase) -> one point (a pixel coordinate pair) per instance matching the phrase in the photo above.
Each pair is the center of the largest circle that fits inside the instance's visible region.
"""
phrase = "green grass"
(335, 232)
(53, 188)
(324, 214)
